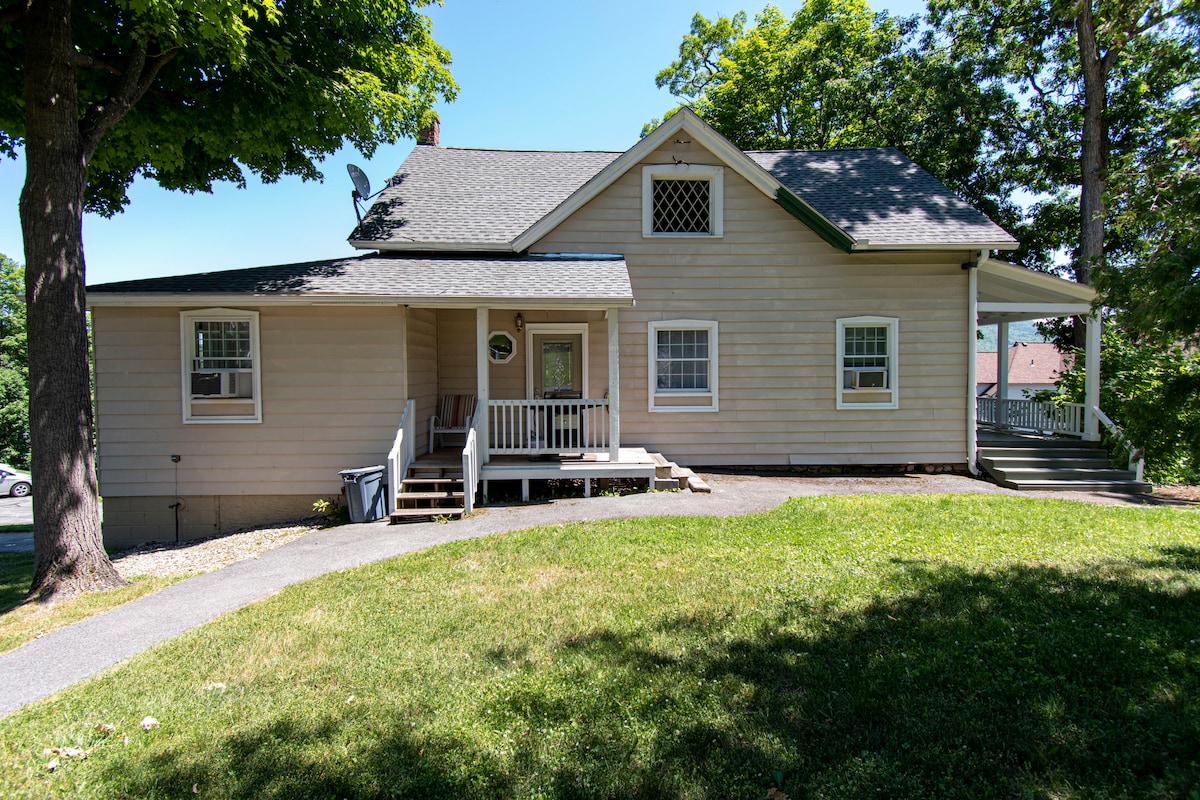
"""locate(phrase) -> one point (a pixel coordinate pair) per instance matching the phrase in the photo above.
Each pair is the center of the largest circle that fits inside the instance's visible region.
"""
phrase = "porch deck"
(633, 462)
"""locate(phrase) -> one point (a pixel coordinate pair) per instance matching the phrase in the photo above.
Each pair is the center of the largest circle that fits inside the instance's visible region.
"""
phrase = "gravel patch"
(204, 555)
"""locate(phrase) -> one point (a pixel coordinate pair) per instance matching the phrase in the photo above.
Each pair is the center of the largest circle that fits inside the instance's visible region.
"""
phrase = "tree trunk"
(1093, 156)
(69, 554)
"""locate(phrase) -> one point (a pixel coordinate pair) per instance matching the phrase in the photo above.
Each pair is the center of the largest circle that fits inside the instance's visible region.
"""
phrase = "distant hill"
(1017, 332)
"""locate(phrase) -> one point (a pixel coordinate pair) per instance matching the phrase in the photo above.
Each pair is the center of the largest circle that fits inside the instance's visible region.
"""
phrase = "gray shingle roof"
(543, 279)
(878, 194)
(449, 194)
(489, 197)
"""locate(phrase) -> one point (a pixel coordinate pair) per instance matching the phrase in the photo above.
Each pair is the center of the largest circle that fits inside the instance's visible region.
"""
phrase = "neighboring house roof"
(573, 281)
(1029, 364)
(461, 199)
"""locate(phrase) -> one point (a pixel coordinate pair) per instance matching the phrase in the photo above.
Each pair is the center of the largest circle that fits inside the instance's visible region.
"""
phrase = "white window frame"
(187, 336)
(668, 399)
(845, 396)
(677, 172)
(511, 340)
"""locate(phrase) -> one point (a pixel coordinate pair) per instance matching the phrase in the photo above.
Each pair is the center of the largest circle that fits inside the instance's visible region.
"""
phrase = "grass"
(17, 528)
(837, 647)
(21, 622)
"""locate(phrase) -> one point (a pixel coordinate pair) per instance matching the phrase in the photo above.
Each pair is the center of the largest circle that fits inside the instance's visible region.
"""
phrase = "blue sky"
(533, 74)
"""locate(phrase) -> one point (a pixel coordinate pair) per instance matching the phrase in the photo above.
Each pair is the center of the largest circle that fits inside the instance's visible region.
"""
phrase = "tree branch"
(136, 80)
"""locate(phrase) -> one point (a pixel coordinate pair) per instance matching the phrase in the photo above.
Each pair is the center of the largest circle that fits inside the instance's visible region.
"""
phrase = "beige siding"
(422, 369)
(776, 290)
(333, 392)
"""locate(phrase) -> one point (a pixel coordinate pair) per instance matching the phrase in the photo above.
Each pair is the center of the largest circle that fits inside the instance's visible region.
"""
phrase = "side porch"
(1031, 444)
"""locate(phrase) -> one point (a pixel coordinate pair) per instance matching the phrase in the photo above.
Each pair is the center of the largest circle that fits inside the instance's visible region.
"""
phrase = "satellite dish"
(361, 184)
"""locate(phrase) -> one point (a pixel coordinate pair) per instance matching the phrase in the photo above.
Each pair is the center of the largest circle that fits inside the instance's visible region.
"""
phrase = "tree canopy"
(14, 367)
(94, 94)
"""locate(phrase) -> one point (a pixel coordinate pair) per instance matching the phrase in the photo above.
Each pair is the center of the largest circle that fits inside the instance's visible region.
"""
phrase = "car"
(14, 483)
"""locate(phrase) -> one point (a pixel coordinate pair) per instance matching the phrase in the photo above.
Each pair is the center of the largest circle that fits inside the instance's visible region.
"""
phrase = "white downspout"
(972, 347)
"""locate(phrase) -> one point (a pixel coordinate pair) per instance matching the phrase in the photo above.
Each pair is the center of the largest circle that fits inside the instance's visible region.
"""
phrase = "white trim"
(715, 176)
(553, 328)
(1051, 283)
(658, 400)
(511, 355)
(893, 369)
(187, 320)
(1043, 309)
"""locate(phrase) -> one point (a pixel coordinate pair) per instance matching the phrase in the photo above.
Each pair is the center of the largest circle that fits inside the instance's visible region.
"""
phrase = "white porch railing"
(543, 427)
(402, 454)
(1031, 415)
(470, 462)
(1137, 456)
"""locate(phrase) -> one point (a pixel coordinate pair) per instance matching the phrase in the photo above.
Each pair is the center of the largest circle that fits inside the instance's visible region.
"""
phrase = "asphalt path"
(62, 657)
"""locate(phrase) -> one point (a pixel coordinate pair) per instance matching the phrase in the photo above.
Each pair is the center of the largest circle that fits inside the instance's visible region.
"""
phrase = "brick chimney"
(429, 135)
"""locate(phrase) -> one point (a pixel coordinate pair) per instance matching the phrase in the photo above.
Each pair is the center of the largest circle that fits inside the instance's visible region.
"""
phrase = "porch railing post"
(614, 388)
(1002, 374)
(1091, 379)
(481, 382)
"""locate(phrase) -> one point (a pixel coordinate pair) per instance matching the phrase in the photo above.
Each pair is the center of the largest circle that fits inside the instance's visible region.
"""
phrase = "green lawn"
(848, 647)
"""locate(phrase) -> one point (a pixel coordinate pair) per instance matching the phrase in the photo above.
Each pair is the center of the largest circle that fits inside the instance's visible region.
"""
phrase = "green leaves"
(250, 87)
(14, 366)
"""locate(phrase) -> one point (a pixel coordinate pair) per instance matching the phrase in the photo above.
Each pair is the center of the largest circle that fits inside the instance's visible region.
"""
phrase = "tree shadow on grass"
(16, 572)
(1026, 682)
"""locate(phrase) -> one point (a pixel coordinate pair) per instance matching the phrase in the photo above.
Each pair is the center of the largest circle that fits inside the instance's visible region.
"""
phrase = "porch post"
(1002, 374)
(481, 383)
(1091, 378)
(614, 388)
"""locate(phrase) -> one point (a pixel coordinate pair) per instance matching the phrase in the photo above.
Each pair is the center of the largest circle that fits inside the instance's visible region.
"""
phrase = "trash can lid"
(355, 473)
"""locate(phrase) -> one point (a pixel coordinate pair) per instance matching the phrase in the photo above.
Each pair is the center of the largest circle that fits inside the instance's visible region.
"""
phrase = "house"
(1032, 367)
(684, 297)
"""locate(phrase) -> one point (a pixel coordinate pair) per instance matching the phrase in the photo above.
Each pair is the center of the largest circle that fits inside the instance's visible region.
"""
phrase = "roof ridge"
(527, 150)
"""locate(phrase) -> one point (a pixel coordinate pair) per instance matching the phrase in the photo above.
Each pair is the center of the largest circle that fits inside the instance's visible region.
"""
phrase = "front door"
(557, 365)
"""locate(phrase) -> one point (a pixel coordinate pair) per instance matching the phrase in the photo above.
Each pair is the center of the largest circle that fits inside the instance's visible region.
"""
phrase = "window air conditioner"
(220, 384)
(871, 378)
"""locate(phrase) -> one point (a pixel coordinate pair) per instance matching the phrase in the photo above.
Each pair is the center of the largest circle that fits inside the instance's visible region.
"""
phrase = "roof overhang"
(542, 282)
(1008, 293)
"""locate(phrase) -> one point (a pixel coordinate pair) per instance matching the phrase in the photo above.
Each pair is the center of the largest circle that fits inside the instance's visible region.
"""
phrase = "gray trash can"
(365, 493)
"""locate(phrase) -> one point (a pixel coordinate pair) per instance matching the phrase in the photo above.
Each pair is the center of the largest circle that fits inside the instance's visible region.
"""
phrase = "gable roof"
(545, 281)
(501, 200)
(880, 197)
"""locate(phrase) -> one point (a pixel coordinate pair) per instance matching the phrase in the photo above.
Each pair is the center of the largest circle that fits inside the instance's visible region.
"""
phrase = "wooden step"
(446, 495)
(1122, 487)
(408, 514)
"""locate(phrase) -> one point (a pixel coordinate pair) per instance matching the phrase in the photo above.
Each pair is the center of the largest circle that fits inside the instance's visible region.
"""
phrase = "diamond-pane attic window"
(681, 206)
(682, 200)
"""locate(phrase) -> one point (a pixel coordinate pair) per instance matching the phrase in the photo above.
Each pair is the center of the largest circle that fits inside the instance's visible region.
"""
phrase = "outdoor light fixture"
(519, 321)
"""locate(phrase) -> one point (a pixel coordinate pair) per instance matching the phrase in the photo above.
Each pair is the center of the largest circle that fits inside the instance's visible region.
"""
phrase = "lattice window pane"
(866, 347)
(682, 360)
(223, 344)
(682, 206)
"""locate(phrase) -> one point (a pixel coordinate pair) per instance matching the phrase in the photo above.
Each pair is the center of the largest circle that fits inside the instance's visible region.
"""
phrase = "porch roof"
(575, 281)
(1008, 293)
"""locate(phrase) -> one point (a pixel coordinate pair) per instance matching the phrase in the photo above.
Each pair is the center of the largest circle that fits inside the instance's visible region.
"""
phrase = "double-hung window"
(867, 363)
(682, 200)
(683, 365)
(221, 366)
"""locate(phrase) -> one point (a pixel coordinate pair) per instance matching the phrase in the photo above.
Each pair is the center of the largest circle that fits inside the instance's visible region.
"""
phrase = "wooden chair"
(454, 416)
